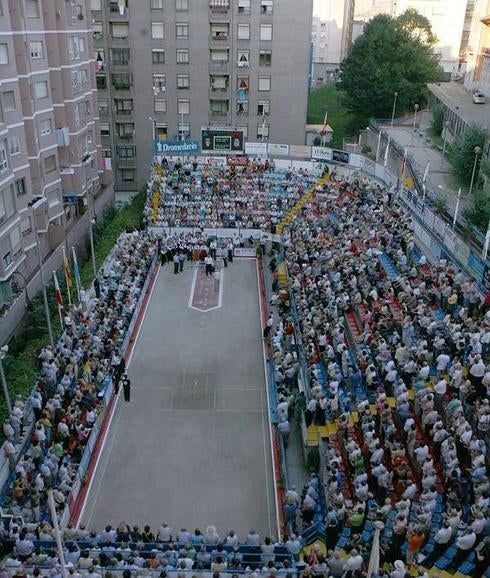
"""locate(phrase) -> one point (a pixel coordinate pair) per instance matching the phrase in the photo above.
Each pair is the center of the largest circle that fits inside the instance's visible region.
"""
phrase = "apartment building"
(478, 49)
(49, 134)
(167, 68)
(331, 37)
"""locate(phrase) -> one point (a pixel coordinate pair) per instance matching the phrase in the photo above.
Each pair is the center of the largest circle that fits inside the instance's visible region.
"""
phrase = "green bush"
(462, 154)
(437, 123)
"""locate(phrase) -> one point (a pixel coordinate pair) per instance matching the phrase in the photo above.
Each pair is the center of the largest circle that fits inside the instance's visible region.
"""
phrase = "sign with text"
(176, 147)
(300, 151)
(258, 149)
(321, 153)
(217, 140)
(278, 150)
(237, 161)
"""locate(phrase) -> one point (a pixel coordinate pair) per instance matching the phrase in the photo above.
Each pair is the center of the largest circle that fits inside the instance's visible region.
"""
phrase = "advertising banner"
(278, 150)
(340, 156)
(300, 151)
(176, 147)
(256, 149)
(237, 161)
(216, 140)
(321, 153)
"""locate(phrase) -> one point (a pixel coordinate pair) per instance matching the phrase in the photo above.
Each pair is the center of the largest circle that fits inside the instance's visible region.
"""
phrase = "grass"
(328, 99)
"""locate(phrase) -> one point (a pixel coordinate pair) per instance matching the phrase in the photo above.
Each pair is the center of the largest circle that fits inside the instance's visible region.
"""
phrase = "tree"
(392, 55)
(462, 153)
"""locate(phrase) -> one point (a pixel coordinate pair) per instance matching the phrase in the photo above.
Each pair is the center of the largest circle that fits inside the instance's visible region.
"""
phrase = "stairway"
(306, 198)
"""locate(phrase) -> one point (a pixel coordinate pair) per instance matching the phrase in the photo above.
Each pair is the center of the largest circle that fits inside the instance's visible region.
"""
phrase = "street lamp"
(394, 108)
(3, 353)
(415, 107)
(35, 204)
(446, 126)
(477, 151)
(86, 162)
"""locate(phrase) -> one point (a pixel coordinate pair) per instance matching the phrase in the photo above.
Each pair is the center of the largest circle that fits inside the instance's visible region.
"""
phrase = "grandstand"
(374, 359)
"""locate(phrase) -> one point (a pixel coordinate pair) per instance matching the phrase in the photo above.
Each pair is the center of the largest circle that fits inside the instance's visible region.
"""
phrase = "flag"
(76, 272)
(487, 243)
(57, 292)
(455, 218)
(387, 151)
(66, 264)
(426, 172)
(324, 129)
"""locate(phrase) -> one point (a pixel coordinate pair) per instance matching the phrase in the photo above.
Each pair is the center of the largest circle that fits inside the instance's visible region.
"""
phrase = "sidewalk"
(439, 183)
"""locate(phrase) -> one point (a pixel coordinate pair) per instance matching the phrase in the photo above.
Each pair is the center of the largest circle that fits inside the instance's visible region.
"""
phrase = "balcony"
(126, 162)
(118, 11)
(105, 140)
(218, 39)
(219, 6)
(219, 93)
(219, 66)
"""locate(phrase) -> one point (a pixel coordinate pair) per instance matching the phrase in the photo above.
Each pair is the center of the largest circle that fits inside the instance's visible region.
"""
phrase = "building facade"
(478, 50)
(49, 134)
(167, 68)
(331, 37)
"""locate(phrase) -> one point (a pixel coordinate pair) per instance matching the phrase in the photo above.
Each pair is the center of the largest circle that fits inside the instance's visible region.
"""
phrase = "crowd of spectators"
(395, 352)
(67, 396)
(255, 196)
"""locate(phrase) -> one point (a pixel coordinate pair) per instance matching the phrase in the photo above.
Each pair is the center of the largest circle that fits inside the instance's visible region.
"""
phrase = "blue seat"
(442, 563)
(466, 568)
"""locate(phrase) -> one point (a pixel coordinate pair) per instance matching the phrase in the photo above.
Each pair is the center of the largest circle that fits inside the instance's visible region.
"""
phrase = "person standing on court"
(181, 260)
(208, 262)
(230, 248)
(126, 383)
(175, 259)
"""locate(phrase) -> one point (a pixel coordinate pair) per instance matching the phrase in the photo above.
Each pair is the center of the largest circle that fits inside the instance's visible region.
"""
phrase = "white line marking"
(104, 441)
(193, 286)
(278, 522)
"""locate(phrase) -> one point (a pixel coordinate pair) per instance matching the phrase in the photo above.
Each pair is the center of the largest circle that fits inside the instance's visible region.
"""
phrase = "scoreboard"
(225, 141)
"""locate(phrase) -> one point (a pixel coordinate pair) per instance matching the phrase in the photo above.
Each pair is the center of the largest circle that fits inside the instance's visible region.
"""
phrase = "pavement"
(192, 447)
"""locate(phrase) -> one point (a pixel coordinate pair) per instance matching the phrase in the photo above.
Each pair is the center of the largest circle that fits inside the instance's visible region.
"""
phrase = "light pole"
(394, 108)
(446, 126)
(91, 219)
(477, 151)
(3, 353)
(35, 204)
(415, 107)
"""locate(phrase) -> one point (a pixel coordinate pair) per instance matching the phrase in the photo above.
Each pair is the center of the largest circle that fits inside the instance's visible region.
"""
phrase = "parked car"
(478, 97)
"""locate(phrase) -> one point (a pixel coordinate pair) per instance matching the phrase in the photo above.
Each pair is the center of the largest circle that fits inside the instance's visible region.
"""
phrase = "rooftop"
(458, 99)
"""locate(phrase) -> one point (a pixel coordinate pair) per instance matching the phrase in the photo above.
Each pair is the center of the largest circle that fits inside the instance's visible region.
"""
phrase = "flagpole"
(387, 151)
(76, 273)
(487, 242)
(378, 146)
(58, 297)
(426, 172)
(67, 279)
(455, 218)
(404, 167)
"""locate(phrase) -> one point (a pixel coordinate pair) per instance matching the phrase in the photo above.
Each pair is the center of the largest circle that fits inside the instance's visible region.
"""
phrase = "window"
(182, 56)
(158, 56)
(50, 164)
(219, 83)
(20, 187)
(127, 175)
(183, 106)
(25, 226)
(95, 4)
(184, 130)
(243, 58)
(106, 153)
(242, 83)
(45, 127)
(101, 81)
(15, 241)
(120, 29)
(105, 129)
(8, 101)
(41, 89)
(220, 31)
(219, 55)
(32, 8)
(183, 81)
(264, 83)
(244, 32)
(156, 4)
(120, 56)
(125, 129)
(160, 105)
(265, 57)
(7, 259)
(36, 49)
(157, 31)
(161, 130)
(6, 204)
(262, 131)
(182, 30)
(159, 82)
(14, 146)
(243, 6)
(97, 31)
(219, 107)
(181, 5)
(263, 107)
(242, 108)
(122, 81)
(118, 6)
(265, 32)
(123, 105)
(103, 106)
(4, 54)
(126, 152)
(266, 6)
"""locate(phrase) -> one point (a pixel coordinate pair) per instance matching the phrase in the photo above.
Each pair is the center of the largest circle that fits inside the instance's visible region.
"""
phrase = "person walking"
(126, 383)
(216, 276)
